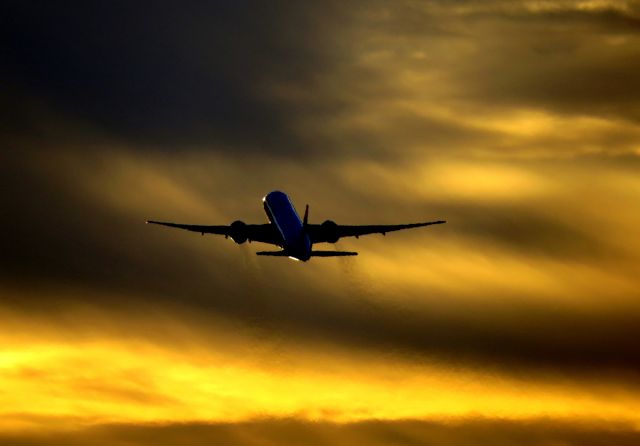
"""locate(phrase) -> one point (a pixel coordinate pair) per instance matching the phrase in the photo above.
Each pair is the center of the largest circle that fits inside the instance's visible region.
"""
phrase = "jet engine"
(330, 231)
(238, 232)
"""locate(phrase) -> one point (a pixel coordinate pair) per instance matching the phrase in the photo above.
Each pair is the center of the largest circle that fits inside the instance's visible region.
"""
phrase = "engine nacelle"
(239, 232)
(330, 231)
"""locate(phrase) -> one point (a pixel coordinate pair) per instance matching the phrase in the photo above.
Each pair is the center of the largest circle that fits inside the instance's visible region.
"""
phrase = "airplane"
(294, 235)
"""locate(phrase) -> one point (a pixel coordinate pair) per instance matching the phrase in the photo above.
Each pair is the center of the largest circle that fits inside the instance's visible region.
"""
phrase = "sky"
(517, 322)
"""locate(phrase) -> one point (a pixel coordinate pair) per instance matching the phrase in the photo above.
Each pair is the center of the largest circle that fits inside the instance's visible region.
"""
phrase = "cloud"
(123, 366)
(515, 122)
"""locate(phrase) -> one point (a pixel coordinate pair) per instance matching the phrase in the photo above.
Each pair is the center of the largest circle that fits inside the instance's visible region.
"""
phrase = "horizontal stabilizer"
(273, 253)
(313, 253)
(332, 253)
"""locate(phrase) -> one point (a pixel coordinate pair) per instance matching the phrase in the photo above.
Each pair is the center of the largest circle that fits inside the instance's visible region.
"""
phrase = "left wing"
(238, 231)
(331, 232)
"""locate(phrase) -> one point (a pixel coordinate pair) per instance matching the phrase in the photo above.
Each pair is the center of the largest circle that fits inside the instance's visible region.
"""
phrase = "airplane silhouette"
(286, 230)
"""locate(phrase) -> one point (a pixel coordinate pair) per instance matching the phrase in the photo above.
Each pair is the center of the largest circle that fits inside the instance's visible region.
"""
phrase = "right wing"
(333, 232)
(265, 233)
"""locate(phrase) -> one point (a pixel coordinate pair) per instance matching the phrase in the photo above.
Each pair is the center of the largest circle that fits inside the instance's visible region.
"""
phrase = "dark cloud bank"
(161, 73)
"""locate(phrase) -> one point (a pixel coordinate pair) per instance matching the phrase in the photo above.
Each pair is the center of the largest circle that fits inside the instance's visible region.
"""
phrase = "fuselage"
(282, 214)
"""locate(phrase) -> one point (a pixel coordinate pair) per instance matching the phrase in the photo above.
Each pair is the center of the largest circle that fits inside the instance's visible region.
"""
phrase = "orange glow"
(110, 380)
